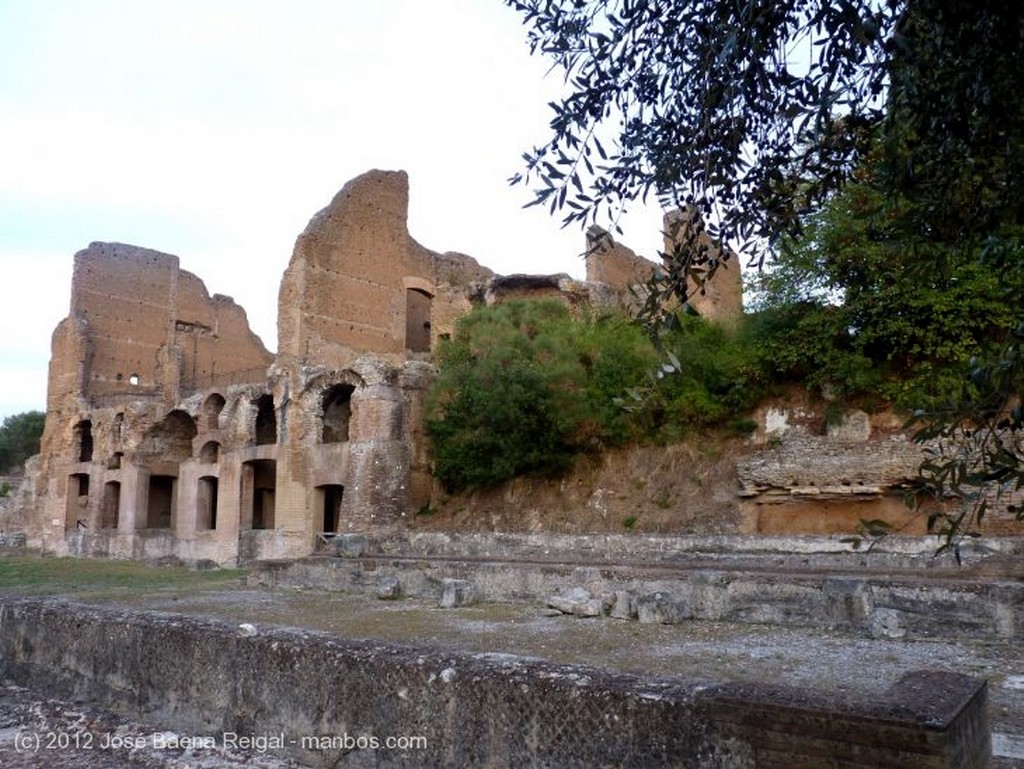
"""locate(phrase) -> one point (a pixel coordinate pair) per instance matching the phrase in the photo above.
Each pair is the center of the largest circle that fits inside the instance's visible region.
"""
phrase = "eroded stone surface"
(718, 298)
(300, 682)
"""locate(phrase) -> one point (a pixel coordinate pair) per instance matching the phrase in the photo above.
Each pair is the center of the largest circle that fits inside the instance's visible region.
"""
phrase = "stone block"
(624, 606)
(349, 545)
(886, 623)
(577, 602)
(389, 588)
(848, 600)
(458, 592)
(662, 608)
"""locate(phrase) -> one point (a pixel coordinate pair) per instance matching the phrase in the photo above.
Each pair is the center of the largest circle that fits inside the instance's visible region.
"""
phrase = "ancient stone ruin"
(172, 433)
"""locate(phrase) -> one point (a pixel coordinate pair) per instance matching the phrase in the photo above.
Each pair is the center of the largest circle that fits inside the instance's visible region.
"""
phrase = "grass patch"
(42, 575)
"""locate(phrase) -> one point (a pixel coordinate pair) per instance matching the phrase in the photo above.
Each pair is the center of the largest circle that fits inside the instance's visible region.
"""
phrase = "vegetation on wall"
(523, 387)
(709, 375)
(526, 386)
(759, 114)
(857, 306)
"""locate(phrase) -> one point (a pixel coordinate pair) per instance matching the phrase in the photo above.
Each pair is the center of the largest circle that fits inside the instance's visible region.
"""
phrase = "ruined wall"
(349, 451)
(356, 275)
(141, 337)
(574, 294)
(360, 305)
(148, 327)
(808, 476)
(135, 461)
(719, 299)
(455, 282)
(340, 294)
(614, 263)
(471, 710)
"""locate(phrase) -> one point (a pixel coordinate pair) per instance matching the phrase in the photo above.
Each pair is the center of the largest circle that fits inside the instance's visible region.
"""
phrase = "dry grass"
(683, 488)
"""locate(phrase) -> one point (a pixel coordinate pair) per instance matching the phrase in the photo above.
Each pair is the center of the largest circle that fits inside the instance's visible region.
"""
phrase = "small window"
(83, 441)
(212, 407)
(209, 453)
(337, 412)
(417, 320)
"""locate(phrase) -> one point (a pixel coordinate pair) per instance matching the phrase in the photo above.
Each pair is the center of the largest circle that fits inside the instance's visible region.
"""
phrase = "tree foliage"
(709, 375)
(707, 104)
(524, 387)
(19, 438)
(856, 305)
(759, 111)
(976, 447)
(953, 130)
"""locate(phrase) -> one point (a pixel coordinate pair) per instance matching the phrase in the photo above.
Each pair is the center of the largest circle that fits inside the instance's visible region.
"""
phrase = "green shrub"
(523, 387)
(710, 375)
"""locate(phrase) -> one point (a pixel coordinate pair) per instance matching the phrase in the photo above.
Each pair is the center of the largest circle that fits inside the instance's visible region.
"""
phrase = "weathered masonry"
(171, 432)
(471, 710)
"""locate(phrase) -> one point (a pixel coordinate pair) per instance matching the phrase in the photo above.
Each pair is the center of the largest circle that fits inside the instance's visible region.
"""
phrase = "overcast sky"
(215, 129)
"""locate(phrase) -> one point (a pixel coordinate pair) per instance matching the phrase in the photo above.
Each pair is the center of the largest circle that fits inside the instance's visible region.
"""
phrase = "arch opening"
(266, 420)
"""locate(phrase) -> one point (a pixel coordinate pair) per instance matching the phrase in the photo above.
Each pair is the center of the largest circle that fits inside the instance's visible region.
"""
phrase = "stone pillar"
(134, 499)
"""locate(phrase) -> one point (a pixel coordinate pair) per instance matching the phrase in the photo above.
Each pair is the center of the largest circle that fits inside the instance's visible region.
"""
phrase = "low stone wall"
(925, 603)
(324, 700)
(835, 551)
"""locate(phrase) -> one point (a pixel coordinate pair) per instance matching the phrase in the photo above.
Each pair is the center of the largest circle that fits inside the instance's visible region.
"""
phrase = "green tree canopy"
(856, 304)
(758, 111)
(523, 387)
(19, 438)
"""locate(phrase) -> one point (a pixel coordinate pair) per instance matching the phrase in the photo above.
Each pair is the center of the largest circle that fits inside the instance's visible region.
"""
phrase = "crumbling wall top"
(146, 327)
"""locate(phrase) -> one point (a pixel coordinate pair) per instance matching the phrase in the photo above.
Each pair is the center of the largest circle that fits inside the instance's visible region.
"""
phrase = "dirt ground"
(684, 488)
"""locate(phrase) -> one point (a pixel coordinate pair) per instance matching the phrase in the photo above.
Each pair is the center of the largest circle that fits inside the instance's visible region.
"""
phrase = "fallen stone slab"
(577, 602)
(663, 609)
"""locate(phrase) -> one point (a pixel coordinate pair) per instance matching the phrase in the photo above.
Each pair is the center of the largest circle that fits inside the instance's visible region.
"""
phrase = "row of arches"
(171, 438)
(257, 493)
(162, 459)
